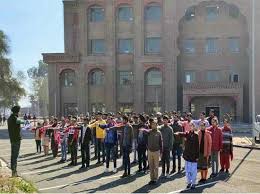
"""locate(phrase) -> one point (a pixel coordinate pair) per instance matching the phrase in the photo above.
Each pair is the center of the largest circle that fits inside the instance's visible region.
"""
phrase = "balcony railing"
(212, 85)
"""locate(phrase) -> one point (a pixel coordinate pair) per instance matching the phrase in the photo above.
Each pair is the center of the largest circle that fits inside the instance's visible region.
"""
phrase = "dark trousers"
(141, 150)
(110, 148)
(166, 160)
(74, 150)
(15, 148)
(85, 154)
(126, 159)
(100, 148)
(38, 146)
(177, 150)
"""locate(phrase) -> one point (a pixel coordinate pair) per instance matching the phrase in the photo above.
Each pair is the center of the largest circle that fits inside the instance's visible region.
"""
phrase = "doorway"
(215, 109)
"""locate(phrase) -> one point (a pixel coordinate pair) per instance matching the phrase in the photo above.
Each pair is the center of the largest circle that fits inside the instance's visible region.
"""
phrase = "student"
(110, 143)
(167, 136)
(54, 138)
(64, 139)
(227, 147)
(154, 150)
(191, 155)
(100, 135)
(216, 135)
(85, 138)
(177, 144)
(37, 136)
(135, 126)
(205, 142)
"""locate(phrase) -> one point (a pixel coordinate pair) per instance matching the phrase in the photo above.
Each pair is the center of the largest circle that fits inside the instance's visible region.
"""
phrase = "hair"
(165, 117)
(215, 119)
(125, 118)
(203, 113)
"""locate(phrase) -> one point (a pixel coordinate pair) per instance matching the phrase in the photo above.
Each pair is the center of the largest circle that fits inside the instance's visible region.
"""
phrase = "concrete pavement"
(50, 176)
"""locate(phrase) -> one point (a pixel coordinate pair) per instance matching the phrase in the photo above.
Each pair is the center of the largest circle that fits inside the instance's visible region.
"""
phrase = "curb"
(247, 147)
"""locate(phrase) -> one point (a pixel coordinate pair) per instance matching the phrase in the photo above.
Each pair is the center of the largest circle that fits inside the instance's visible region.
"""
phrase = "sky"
(33, 27)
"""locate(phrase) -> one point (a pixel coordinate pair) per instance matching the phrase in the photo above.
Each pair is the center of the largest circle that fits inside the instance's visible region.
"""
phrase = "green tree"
(39, 75)
(10, 88)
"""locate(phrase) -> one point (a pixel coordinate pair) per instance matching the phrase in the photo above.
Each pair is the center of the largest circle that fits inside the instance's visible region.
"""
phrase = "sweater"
(216, 136)
(207, 143)
(176, 127)
(191, 150)
(154, 141)
(167, 137)
(100, 134)
(227, 143)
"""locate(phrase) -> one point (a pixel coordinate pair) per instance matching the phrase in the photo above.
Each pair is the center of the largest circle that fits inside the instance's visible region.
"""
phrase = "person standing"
(167, 136)
(14, 129)
(85, 139)
(37, 136)
(177, 144)
(205, 142)
(227, 147)
(135, 131)
(191, 155)
(64, 139)
(216, 135)
(154, 149)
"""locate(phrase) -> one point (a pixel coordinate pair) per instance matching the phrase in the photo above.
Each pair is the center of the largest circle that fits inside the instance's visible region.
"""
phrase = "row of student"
(151, 138)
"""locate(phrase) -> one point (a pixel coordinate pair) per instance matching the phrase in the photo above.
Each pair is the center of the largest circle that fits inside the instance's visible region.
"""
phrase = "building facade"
(155, 55)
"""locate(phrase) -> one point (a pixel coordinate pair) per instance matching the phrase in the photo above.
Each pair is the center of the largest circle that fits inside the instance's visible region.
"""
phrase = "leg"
(150, 165)
(173, 159)
(108, 155)
(83, 155)
(98, 150)
(143, 155)
(163, 162)
(87, 155)
(217, 161)
(36, 146)
(139, 151)
(194, 172)
(156, 163)
(222, 162)
(103, 151)
(168, 161)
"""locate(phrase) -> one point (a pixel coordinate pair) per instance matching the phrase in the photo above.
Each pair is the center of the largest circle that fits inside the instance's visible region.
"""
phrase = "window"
(234, 78)
(211, 45)
(126, 107)
(189, 77)
(190, 13)
(97, 46)
(233, 44)
(213, 76)
(153, 12)
(96, 14)
(97, 77)
(153, 107)
(98, 107)
(125, 46)
(188, 46)
(125, 14)
(212, 13)
(70, 109)
(68, 78)
(153, 45)
(233, 11)
(154, 78)
(125, 78)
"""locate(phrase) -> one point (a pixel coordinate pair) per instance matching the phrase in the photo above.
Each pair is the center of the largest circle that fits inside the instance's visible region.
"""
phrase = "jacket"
(167, 137)
(110, 130)
(100, 133)
(216, 136)
(207, 142)
(176, 127)
(191, 150)
(127, 130)
(14, 129)
(85, 136)
(155, 141)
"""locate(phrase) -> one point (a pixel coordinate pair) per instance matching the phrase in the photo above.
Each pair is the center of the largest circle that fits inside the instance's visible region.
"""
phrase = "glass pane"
(234, 45)
(68, 78)
(213, 76)
(97, 78)
(212, 13)
(154, 78)
(153, 45)
(188, 46)
(125, 46)
(211, 46)
(125, 14)
(97, 46)
(96, 14)
(125, 78)
(153, 13)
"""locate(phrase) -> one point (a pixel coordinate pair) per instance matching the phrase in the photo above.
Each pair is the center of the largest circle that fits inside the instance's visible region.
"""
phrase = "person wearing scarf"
(226, 154)
(205, 143)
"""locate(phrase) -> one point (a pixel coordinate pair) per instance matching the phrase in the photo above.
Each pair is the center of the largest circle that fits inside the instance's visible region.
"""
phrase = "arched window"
(96, 13)
(96, 77)
(153, 12)
(125, 13)
(68, 78)
(154, 77)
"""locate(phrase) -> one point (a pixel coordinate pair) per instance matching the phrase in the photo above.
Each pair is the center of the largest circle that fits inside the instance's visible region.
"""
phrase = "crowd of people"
(151, 138)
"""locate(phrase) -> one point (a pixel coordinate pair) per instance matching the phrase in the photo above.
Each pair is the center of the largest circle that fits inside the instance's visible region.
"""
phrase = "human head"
(165, 120)
(192, 126)
(125, 119)
(202, 125)
(211, 113)
(202, 115)
(175, 118)
(153, 124)
(189, 116)
(86, 120)
(16, 110)
(226, 122)
(214, 122)
(99, 116)
(135, 118)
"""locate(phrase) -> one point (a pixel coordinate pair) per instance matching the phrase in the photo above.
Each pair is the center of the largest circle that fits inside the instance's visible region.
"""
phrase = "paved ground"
(52, 177)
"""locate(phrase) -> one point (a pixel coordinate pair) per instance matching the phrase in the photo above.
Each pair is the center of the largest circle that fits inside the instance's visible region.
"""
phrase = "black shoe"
(140, 170)
(134, 162)
(192, 187)
(150, 183)
(82, 167)
(98, 162)
(70, 164)
(173, 171)
(201, 180)
(188, 186)
(124, 175)
(227, 171)
(179, 171)
(221, 170)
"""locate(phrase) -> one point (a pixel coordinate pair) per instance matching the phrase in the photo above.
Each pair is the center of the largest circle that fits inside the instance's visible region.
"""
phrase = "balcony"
(212, 85)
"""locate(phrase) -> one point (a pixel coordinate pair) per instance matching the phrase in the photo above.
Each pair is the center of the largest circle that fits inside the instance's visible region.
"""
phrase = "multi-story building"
(155, 55)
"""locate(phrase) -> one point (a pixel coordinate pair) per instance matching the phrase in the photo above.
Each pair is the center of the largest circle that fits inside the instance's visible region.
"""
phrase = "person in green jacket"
(14, 127)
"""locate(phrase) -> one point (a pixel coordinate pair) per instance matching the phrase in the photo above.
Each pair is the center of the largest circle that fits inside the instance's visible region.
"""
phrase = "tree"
(39, 75)
(10, 88)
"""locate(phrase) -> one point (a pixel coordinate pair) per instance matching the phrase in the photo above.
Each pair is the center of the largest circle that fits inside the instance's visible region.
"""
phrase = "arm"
(171, 139)
(220, 139)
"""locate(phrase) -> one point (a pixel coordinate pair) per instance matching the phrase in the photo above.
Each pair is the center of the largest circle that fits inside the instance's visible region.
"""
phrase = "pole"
(253, 70)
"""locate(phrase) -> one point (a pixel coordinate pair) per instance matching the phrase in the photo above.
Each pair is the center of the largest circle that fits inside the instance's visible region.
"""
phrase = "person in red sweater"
(216, 136)
(227, 147)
